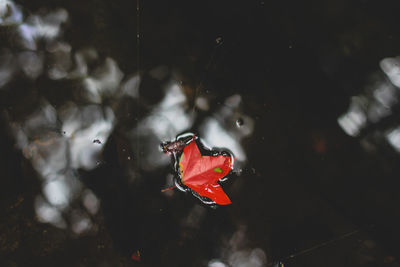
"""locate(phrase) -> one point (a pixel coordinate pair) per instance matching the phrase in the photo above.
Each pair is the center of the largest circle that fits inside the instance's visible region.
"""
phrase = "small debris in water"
(176, 146)
(218, 40)
(136, 256)
(97, 141)
(129, 158)
(239, 122)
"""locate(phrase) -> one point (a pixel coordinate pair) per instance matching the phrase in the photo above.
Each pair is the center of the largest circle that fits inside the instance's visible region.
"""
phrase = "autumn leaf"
(201, 173)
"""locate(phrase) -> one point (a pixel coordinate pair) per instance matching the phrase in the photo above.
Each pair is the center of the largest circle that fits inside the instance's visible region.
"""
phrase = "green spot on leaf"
(218, 170)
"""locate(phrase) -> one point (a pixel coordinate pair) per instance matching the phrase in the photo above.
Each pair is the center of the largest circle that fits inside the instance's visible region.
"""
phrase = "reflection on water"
(42, 27)
(47, 213)
(59, 140)
(80, 108)
(373, 114)
(220, 130)
(32, 36)
(79, 125)
(391, 67)
(393, 137)
(7, 67)
(104, 81)
(10, 13)
(237, 252)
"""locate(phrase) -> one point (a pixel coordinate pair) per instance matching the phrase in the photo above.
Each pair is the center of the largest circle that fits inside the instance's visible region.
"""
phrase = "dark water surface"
(305, 94)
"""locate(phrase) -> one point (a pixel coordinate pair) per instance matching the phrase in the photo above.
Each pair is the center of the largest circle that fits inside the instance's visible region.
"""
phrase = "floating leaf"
(201, 173)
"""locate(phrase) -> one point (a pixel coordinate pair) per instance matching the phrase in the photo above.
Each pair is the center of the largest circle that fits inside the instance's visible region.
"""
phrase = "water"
(85, 104)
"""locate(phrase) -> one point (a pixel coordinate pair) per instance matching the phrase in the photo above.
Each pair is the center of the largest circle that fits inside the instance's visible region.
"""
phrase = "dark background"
(296, 64)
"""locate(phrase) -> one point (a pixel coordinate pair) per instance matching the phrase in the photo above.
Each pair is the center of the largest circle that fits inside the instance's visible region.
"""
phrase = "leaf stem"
(167, 189)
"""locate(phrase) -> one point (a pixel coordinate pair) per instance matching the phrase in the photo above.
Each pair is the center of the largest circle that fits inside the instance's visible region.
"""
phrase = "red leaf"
(202, 173)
